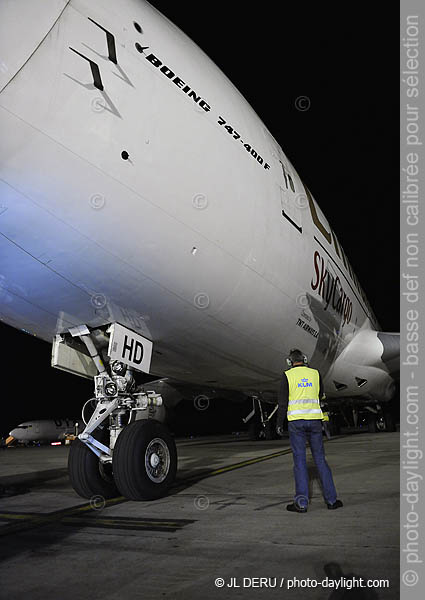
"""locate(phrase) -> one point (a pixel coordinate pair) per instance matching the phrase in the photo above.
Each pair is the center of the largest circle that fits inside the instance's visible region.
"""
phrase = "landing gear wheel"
(257, 432)
(385, 422)
(389, 422)
(89, 477)
(144, 460)
(270, 430)
(254, 431)
(334, 428)
(381, 424)
(371, 423)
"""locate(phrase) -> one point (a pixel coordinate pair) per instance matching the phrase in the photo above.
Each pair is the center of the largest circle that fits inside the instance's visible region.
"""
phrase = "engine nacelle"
(366, 367)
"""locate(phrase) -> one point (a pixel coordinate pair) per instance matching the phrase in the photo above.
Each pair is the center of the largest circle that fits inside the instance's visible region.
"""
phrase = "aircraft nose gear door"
(120, 451)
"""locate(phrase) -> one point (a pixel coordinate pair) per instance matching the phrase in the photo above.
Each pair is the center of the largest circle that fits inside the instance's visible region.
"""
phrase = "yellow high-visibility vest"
(304, 385)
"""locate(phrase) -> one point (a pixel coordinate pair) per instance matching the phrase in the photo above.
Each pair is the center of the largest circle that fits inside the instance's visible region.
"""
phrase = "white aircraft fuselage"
(45, 430)
(138, 186)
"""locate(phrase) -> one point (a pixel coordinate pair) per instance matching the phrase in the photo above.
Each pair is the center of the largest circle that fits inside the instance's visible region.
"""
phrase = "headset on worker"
(295, 356)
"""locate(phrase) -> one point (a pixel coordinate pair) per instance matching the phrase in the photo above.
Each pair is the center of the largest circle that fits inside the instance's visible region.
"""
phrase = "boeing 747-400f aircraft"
(150, 222)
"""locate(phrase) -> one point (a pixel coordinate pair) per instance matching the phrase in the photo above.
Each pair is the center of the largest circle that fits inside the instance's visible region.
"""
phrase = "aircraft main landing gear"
(263, 425)
(380, 421)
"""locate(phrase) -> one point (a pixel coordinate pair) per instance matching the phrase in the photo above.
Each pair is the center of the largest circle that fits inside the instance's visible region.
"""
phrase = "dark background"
(345, 147)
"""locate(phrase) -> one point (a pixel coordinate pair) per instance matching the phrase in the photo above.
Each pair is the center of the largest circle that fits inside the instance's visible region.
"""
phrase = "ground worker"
(299, 394)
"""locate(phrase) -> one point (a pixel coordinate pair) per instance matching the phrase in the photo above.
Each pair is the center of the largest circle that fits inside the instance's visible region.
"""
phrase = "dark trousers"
(301, 431)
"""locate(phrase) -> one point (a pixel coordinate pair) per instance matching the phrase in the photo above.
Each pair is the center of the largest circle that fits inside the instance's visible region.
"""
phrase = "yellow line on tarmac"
(129, 522)
(235, 466)
(91, 506)
(10, 516)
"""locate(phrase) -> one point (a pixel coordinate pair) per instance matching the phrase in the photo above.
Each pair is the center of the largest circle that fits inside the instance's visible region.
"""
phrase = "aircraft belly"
(195, 345)
(198, 349)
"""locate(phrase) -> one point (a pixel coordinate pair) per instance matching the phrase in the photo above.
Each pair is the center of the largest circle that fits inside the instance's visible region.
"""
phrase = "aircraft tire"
(334, 427)
(144, 460)
(254, 431)
(389, 422)
(270, 430)
(371, 423)
(88, 476)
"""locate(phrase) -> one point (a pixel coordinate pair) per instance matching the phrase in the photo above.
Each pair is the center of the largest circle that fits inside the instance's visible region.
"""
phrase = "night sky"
(345, 148)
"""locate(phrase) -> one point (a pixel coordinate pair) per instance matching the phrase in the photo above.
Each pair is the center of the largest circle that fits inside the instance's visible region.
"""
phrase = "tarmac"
(222, 532)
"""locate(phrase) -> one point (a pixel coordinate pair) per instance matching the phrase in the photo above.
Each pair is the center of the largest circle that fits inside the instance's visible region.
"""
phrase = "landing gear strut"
(263, 425)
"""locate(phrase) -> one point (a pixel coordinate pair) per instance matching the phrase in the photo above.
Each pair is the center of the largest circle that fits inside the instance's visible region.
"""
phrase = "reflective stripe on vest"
(304, 388)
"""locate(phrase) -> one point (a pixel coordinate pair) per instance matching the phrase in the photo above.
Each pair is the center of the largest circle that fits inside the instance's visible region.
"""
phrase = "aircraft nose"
(14, 433)
(23, 26)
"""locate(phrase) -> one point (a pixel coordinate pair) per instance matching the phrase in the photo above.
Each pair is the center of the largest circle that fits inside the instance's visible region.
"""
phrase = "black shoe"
(335, 505)
(295, 508)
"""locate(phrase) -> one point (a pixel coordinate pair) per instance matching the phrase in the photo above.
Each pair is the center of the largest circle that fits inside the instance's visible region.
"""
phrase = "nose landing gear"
(121, 451)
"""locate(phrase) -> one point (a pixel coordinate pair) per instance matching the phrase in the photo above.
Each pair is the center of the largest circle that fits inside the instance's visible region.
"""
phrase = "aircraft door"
(292, 201)
(290, 198)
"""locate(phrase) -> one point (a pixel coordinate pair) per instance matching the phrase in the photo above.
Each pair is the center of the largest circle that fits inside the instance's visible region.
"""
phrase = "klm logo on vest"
(305, 383)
